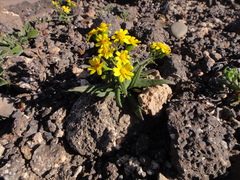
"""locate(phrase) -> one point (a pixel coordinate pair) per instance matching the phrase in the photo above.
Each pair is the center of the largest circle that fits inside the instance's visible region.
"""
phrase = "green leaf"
(23, 40)
(3, 82)
(107, 93)
(118, 96)
(26, 27)
(4, 51)
(82, 89)
(136, 76)
(151, 82)
(135, 106)
(1, 70)
(17, 50)
(100, 91)
(32, 33)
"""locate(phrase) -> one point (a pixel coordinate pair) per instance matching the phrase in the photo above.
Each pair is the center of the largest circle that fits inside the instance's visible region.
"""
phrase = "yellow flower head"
(121, 36)
(103, 27)
(70, 3)
(55, 3)
(92, 32)
(96, 65)
(132, 40)
(103, 41)
(161, 46)
(124, 72)
(122, 56)
(106, 52)
(66, 9)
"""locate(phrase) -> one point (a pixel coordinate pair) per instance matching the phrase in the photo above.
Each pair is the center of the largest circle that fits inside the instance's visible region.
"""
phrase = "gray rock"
(20, 123)
(46, 158)
(178, 29)
(13, 169)
(176, 70)
(149, 32)
(199, 146)
(6, 106)
(94, 127)
(9, 21)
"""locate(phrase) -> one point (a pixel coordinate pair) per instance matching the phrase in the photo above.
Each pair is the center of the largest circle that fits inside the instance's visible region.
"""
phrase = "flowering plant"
(116, 69)
(231, 78)
(64, 9)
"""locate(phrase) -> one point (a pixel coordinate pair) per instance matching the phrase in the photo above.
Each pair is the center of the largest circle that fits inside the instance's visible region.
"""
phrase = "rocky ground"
(49, 133)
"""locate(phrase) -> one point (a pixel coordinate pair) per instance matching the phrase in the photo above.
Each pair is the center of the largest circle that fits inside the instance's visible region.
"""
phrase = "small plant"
(2, 81)
(124, 15)
(64, 9)
(231, 78)
(11, 44)
(105, 10)
(114, 64)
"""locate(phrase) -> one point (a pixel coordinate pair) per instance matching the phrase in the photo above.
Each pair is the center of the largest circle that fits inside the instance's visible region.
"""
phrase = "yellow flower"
(70, 3)
(92, 32)
(73, 4)
(106, 52)
(122, 56)
(103, 27)
(96, 65)
(103, 41)
(66, 9)
(161, 46)
(124, 72)
(132, 40)
(55, 3)
(121, 36)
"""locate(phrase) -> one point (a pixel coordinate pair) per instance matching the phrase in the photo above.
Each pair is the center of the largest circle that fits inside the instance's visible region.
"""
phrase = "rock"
(9, 21)
(142, 144)
(6, 106)
(31, 70)
(13, 169)
(111, 171)
(149, 32)
(1, 150)
(201, 144)
(207, 63)
(175, 71)
(152, 98)
(45, 158)
(178, 29)
(133, 169)
(162, 177)
(26, 152)
(20, 123)
(94, 127)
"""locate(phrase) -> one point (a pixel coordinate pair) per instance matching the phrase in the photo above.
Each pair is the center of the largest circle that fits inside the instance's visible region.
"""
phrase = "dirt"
(48, 132)
(14, 2)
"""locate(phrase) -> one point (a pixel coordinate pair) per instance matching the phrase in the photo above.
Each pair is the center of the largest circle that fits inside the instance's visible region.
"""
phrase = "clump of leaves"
(124, 15)
(11, 44)
(121, 78)
(2, 81)
(231, 78)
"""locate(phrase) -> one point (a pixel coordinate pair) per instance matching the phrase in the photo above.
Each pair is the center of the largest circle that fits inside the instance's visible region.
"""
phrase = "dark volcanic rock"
(95, 127)
(200, 148)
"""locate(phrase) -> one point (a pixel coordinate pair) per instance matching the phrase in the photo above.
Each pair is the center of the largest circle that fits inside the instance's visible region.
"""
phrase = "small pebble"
(178, 29)
(6, 106)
